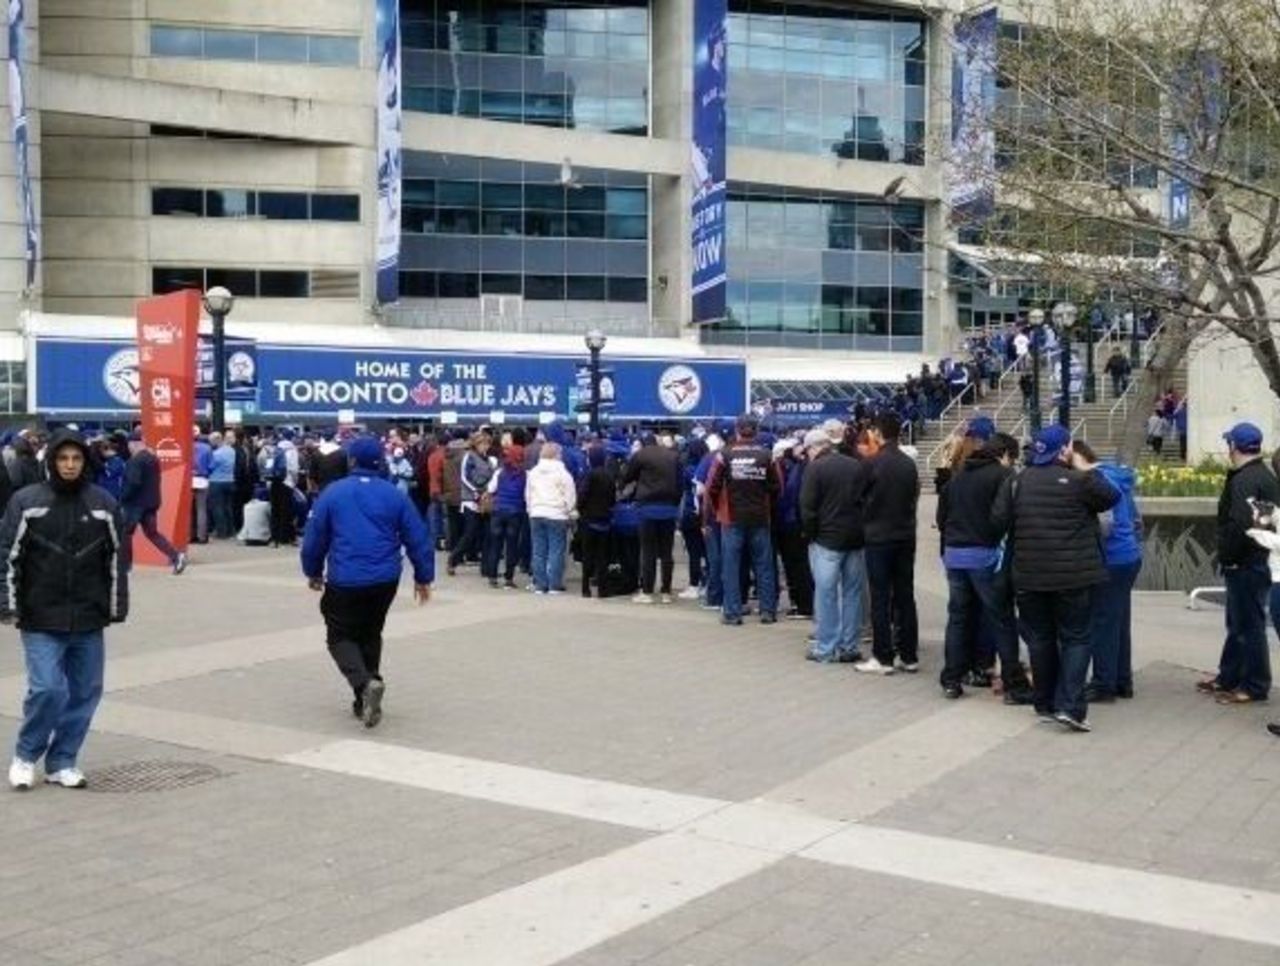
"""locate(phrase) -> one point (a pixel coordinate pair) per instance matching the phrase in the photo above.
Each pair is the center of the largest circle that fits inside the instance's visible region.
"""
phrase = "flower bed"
(1204, 479)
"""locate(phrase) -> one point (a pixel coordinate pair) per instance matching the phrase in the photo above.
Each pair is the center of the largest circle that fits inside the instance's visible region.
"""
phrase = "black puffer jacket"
(1252, 480)
(832, 499)
(1051, 513)
(61, 570)
(655, 470)
(964, 503)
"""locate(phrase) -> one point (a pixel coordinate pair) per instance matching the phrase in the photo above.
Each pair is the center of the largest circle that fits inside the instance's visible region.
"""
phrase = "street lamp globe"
(219, 301)
(595, 340)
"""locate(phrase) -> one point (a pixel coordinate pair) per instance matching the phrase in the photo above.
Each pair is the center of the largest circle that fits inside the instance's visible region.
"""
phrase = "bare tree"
(1110, 112)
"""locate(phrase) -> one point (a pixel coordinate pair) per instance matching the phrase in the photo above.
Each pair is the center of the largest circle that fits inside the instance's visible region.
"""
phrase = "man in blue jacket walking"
(351, 552)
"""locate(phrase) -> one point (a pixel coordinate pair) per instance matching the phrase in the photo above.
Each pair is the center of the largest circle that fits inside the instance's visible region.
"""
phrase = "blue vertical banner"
(389, 150)
(710, 73)
(971, 162)
(1197, 119)
(18, 109)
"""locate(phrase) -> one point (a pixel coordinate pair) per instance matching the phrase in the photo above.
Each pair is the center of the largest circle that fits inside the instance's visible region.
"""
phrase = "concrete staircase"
(1100, 423)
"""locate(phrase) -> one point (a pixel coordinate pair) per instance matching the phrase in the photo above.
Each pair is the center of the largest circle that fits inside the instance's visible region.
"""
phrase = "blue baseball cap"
(1049, 442)
(1244, 438)
(365, 452)
(981, 427)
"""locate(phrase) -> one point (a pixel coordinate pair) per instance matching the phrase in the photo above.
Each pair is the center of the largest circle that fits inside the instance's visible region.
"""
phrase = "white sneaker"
(67, 778)
(907, 667)
(22, 775)
(690, 593)
(642, 598)
(872, 666)
(667, 599)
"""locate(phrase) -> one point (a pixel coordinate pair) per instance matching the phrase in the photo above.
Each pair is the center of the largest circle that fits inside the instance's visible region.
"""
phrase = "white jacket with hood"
(549, 491)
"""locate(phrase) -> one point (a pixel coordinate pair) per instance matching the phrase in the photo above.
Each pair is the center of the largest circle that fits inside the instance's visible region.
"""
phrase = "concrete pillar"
(671, 118)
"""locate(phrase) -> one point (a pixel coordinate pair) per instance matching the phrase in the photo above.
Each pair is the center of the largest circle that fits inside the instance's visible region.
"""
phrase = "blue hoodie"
(1123, 545)
(359, 525)
(572, 457)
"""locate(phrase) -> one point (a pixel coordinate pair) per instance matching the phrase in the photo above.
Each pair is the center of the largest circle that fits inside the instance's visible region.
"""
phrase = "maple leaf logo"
(424, 394)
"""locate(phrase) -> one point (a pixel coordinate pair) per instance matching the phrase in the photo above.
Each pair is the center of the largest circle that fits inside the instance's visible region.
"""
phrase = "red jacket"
(435, 472)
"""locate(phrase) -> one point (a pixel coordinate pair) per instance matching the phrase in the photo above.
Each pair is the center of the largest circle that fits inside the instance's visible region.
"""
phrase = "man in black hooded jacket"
(63, 579)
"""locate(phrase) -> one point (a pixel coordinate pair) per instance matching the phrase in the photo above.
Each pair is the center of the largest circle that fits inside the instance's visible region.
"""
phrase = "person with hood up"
(552, 501)
(1112, 602)
(140, 500)
(351, 552)
(655, 472)
(597, 493)
(506, 526)
(63, 579)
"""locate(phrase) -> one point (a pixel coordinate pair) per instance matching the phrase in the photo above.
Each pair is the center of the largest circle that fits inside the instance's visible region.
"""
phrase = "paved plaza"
(563, 781)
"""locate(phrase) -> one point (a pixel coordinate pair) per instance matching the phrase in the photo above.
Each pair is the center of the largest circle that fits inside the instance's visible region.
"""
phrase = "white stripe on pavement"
(650, 809)
(560, 915)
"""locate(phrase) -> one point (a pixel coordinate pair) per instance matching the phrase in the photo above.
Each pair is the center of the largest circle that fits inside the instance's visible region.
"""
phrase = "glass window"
(634, 227)
(628, 290)
(230, 203)
(176, 42)
(335, 207)
(166, 280)
(343, 51)
(418, 191)
(544, 287)
(177, 201)
(458, 221)
(509, 223)
(283, 285)
(626, 201)
(282, 48)
(493, 283)
(459, 285)
(418, 285)
(458, 193)
(584, 288)
(230, 45)
(283, 205)
(498, 195)
(241, 282)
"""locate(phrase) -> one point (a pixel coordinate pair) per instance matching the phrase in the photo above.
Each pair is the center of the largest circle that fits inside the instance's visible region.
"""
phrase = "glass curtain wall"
(553, 64)
(827, 80)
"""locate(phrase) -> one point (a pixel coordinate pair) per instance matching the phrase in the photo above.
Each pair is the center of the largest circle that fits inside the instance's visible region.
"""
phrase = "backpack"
(279, 466)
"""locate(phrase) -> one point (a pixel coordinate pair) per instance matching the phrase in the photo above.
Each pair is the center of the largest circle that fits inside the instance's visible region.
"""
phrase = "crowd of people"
(1040, 548)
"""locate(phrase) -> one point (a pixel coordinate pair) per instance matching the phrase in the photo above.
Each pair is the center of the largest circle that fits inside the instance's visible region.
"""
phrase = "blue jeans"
(222, 509)
(977, 602)
(1112, 625)
(715, 563)
(1275, 607)
(1057, 625)
(734, 540)
(838, 576)
(548, 553)
(505, 528)
(64, 685)
(1245, 664)
(435, 522)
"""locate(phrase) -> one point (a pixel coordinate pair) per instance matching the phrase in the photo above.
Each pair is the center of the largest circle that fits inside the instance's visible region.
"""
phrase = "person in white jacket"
(552, 500)
(1264, 534)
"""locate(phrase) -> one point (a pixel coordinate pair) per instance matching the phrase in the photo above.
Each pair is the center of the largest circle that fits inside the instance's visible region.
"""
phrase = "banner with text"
(971, 161)
(168, 328)
(389, 150)
(709, 147)
(21, 135)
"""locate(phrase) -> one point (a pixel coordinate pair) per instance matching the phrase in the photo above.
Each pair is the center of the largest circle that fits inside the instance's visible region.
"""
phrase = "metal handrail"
(1122, 401)
(929, 461)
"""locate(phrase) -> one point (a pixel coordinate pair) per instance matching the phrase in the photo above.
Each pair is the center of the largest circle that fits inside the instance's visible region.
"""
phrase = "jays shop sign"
(83, 376)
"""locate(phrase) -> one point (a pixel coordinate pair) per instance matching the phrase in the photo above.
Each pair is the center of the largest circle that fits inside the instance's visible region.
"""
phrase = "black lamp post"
(1036, 317)
(1134, 356)
(218, 302)
(595, 341)
(1064, 315)
(1090, 380)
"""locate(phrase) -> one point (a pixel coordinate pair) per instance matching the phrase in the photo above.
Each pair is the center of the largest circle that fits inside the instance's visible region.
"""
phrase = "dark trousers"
(715, 566)
(283, 528)
(353, 619)
(891, 571)
(627, 547)
(147, 520)
(503, 543)
(1112, 620)
(794, 551)
(222, 498)
(595, 557)
(475, 526)
(657, 540)
(978, 601)
(453, 526)
(1057, 625)
(695, 545)
(1245, 664)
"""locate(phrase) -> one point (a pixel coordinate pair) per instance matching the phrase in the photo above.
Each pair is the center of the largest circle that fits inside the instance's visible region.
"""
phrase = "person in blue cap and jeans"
(1244, 667)
(351, 552)
(1051, 513)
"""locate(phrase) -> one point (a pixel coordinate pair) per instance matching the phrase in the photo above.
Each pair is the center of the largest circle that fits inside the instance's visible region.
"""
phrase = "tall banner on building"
(168, 330)
(18, 110)
(971, 164)
(389, 151)
(710, 72)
